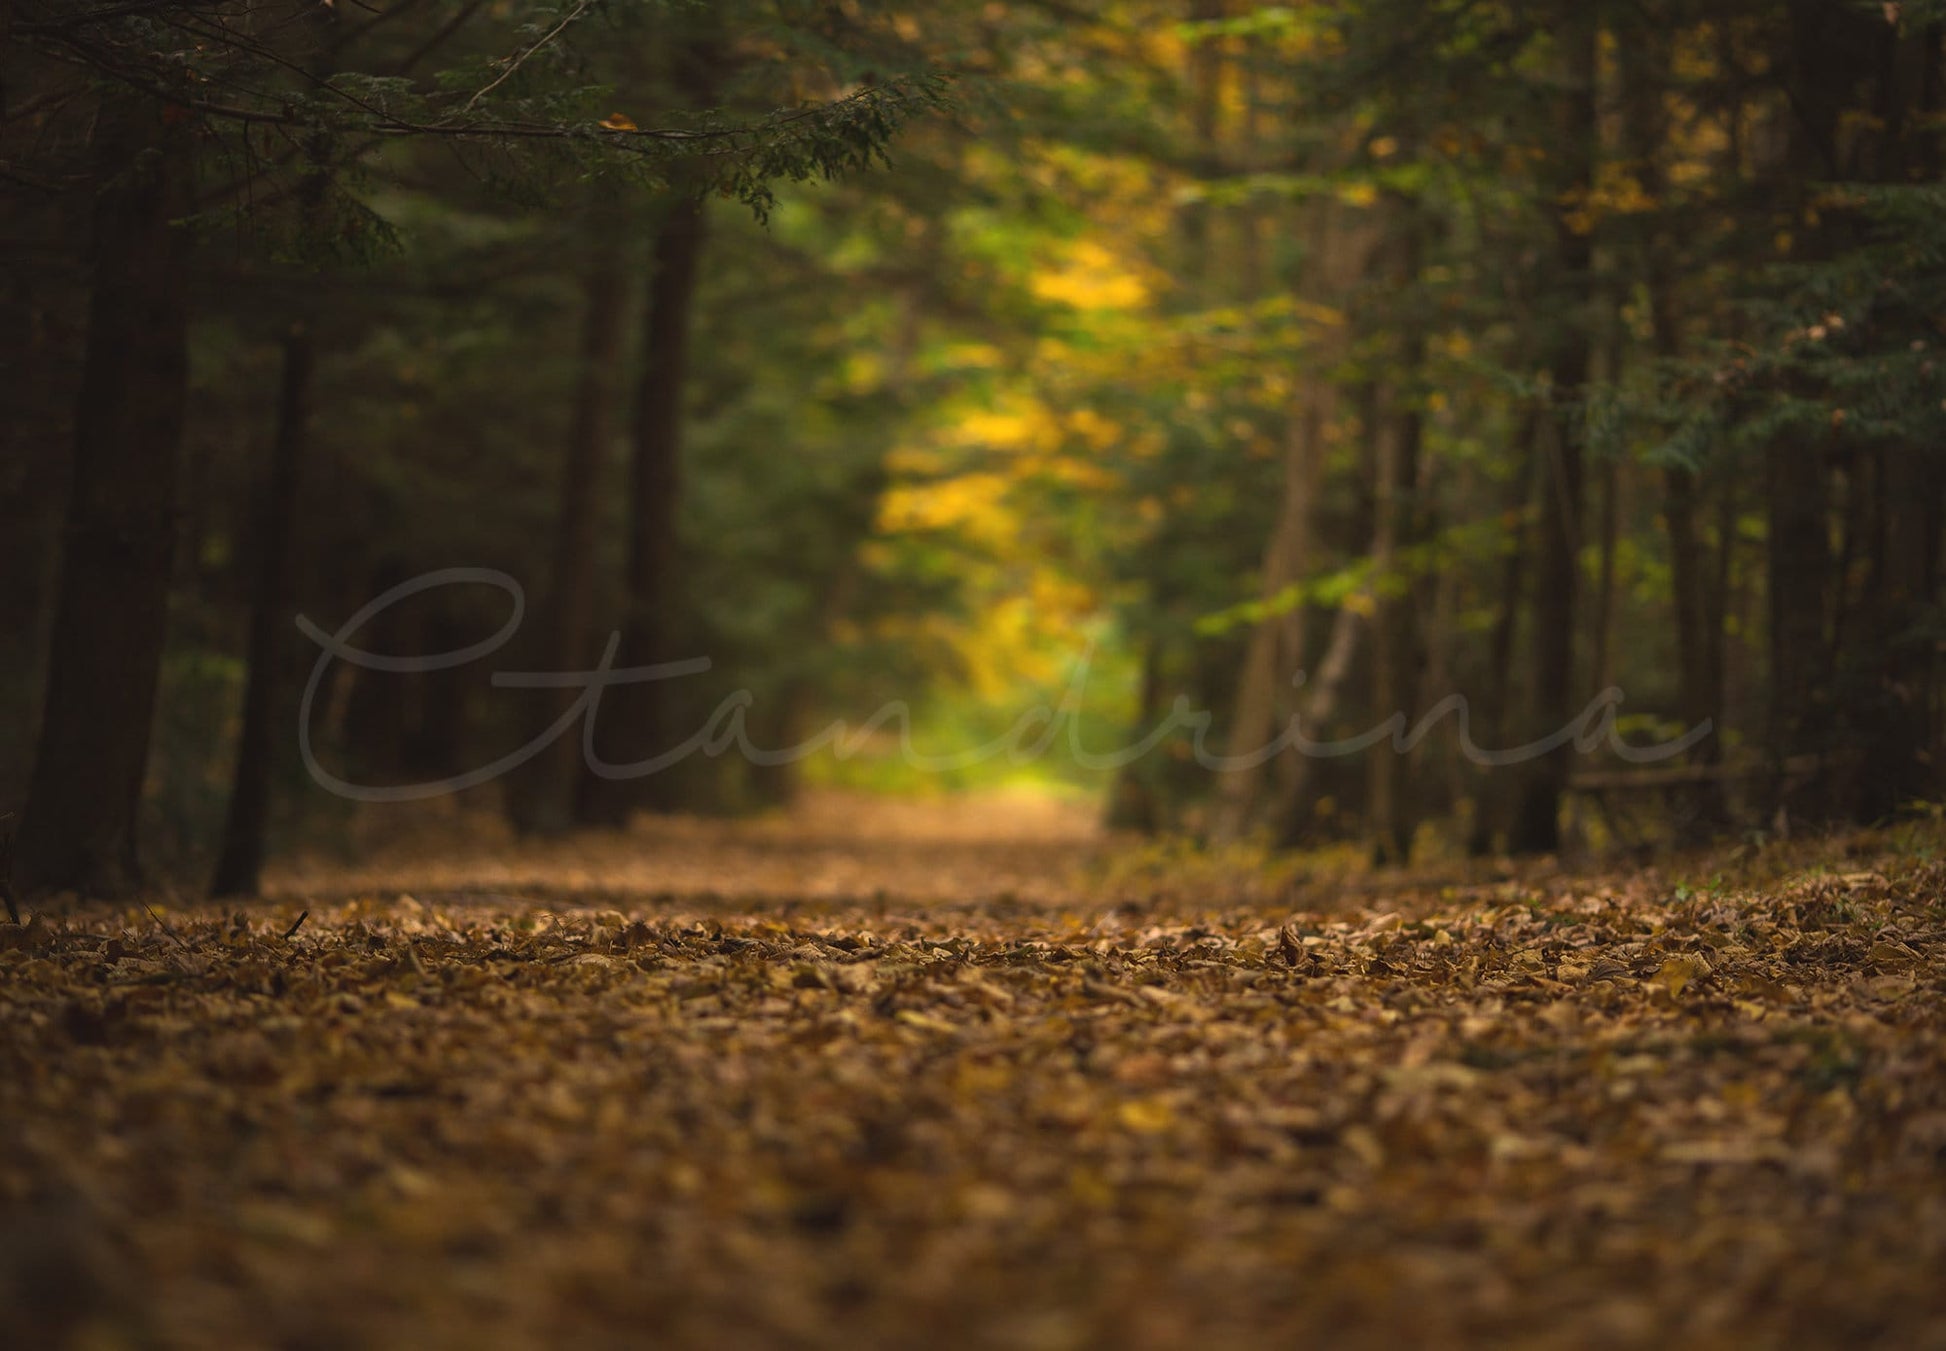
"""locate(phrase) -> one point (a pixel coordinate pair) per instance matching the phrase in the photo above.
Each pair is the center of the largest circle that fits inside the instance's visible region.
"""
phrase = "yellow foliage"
(916, 461)
(974, 504)
(972, 355)
(1094, 430)
(1616, 192)
(1090, 277)
(1078, 473)
(864, 371)
(999, 430)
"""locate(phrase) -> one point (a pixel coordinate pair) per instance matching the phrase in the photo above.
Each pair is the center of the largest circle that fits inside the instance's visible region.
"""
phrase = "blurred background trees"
(1204, 365)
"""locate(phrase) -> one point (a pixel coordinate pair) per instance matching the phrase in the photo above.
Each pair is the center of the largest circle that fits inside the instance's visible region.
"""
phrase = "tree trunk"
(240, 861)
(1133, 800)
(1340, 248)
(1601, 625)
(1898, 766)
(1195, 218)
(1395, 439)
(1536, 825)
(1699, 644)
(1799, 581)
(1320, 705)
(1644, 58)
(111, 615)
(240, 858)
(1271, 651)
(1491, 804)
(633, 717)
(542, 796)
(1395, 632)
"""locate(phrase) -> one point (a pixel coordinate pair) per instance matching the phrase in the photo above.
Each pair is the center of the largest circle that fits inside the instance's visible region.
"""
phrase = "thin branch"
(164, 926)
(518, 61)
(52, 98)
(388, 125)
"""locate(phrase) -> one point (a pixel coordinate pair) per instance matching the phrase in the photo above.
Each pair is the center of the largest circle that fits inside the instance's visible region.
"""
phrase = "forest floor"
(973, 1076)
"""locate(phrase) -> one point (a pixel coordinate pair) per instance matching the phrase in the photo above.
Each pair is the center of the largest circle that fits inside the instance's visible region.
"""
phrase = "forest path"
(1020, 846)
(726, 1087)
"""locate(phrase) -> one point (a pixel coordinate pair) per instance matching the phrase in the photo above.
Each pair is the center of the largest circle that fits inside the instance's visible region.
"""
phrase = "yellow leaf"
(1146, 1116)
(1676, 973)
(619, 122)
(925, 1021)
(1090, 1188)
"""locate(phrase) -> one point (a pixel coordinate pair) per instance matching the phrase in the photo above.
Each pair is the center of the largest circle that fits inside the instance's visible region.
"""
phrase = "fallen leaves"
(1675, 974)
(1570, 1113)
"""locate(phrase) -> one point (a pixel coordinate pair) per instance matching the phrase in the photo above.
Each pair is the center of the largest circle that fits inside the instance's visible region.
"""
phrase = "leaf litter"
(1553, 1111)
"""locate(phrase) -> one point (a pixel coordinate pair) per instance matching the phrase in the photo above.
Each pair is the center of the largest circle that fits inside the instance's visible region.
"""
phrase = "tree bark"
(1491, 804)
(1699, 641)
(1272, 650)
(1899, 738)
(1394, 631)
(633, 717)
(1698, 610)
(542, 798)
(240, 860)
(111, 615)
(1195, 218)
(1396, 515)
(1799, 582)
(1319, 706)
(1340, 249)
(1536, 825)
(1133, 800)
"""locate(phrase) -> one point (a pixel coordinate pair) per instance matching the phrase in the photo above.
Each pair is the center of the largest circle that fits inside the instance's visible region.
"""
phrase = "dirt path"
(1027, 847)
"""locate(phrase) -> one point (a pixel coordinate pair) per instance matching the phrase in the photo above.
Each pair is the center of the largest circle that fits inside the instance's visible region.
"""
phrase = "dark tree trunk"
(1695, 595)
(1491, 802)
(240, 861)
(1133, 800)
(1901, 615)
(1394, 630)
(1699, 644)
(1319, 708)
(1800, 568)
(632, 717)
(1644, 57)
(1195, 218)
(1898, 766)
(1818, 62)
(111, 615)
(1535, 828)
(378, 706)
(1273, 654)
(1339, 246)
(542, 796)
(1536, 825)
(240, 858)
